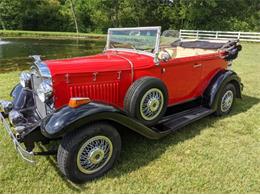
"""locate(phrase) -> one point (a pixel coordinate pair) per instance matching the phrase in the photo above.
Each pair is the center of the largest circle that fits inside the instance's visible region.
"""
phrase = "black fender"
(16, 90)
(67, 119)
(216, 85)
(22, 98)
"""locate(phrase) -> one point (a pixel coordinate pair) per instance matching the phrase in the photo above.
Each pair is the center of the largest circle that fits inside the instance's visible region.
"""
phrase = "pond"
(15, 52)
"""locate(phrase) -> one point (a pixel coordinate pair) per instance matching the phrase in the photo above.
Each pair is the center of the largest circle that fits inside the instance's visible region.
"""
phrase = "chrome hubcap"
(227, 101)
(94, 154)
(151, 104)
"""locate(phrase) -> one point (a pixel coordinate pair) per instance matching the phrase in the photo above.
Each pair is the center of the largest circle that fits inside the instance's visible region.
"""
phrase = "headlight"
(45, 90)
(25, 79)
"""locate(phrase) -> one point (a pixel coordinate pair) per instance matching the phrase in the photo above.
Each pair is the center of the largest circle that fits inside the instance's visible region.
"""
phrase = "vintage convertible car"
(143, 82)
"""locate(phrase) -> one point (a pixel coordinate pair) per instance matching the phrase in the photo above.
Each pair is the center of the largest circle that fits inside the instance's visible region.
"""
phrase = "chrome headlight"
(45, 90)
(25, 79)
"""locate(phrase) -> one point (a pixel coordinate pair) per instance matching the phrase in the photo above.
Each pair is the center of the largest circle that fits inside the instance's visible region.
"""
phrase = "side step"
(181, 119)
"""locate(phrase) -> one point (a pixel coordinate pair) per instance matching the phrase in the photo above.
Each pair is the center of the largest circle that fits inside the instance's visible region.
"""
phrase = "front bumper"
(27, 156)
(23, 125)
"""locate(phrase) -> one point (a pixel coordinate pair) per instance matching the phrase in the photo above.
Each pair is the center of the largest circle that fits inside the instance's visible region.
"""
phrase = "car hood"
(108, 61)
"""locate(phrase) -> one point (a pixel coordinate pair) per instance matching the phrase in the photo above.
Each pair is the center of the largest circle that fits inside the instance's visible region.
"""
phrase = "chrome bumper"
(27, 156)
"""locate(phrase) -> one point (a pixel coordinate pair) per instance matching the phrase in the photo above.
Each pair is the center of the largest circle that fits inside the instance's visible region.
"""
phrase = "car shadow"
(53, 161)
(244, 104)
(135, 147)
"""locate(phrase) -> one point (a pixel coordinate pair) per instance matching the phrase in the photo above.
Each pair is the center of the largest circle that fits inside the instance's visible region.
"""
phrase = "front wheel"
(226, 100)
(89, 153)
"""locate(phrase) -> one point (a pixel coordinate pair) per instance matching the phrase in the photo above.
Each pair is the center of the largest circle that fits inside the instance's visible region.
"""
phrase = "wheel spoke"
(227, 101)
(151, 104)
(94, 154)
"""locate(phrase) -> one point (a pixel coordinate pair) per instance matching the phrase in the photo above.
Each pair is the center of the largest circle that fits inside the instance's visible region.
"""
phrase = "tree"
(98, 15)
(10, 14)
(2, 23)
(74, 15)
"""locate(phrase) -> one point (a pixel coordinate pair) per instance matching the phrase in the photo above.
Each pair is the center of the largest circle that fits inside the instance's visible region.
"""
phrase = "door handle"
(197, 65)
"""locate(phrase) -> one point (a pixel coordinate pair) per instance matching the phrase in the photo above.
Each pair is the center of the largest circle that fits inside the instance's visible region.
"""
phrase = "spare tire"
(146, 100)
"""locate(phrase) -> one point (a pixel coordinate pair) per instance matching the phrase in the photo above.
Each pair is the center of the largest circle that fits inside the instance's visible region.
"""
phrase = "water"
(4, 42)
(15, 52)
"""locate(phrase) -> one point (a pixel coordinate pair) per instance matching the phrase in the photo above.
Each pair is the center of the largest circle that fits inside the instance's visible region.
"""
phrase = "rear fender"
(213, 91)
(69, 119)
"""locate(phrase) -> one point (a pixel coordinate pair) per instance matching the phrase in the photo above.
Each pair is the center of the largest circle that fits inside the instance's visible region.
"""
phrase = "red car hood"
(108, 61)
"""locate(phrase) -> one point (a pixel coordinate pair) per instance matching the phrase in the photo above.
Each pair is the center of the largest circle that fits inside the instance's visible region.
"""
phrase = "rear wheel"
(89, 153)
(146, 100)
(226, 100)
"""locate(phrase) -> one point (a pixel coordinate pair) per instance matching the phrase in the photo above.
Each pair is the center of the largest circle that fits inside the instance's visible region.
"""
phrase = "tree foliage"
(98, 15)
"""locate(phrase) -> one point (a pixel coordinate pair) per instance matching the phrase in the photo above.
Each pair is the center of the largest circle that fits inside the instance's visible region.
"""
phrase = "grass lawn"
(213, 155)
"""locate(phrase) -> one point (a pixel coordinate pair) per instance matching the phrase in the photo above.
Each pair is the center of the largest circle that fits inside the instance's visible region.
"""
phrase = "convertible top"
(198, 44)
(231, 47)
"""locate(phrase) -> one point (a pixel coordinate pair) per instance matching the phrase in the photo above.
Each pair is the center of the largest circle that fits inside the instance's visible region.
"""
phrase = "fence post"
(238, 35)
(197, 35)
(180, 34)
(216, 35)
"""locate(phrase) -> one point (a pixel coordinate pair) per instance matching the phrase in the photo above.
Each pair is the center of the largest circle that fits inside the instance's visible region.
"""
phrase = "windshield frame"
(157, 42)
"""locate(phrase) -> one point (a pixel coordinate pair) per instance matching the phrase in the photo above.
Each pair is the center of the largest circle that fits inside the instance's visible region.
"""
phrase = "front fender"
(16, 90)
(69, 119)
(213, 91)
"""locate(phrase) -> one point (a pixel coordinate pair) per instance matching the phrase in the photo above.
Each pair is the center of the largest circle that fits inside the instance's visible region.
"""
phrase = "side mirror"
(164, 56)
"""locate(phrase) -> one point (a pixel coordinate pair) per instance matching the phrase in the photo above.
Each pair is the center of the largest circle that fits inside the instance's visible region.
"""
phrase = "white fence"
(203, 34)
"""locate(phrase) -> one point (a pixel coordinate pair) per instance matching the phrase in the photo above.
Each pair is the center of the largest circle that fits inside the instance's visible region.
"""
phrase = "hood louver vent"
(106, 92)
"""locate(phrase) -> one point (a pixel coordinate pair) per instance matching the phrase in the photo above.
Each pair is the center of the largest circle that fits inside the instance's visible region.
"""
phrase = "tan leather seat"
(181, 52)
(185, 52)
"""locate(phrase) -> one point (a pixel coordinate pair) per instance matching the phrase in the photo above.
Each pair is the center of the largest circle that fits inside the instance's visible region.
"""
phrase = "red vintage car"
(145, 82)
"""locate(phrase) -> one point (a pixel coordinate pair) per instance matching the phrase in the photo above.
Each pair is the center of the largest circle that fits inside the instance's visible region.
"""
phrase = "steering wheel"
(167, 53)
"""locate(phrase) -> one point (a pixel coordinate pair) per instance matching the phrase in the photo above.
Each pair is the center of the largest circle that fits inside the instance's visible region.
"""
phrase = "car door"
(182, 77)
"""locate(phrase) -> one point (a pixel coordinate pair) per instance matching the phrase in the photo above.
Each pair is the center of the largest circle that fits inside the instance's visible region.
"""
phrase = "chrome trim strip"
(131, 65)
(42, 67)
(27, 156)
(136, 28)
(132, 50)
(157, 44)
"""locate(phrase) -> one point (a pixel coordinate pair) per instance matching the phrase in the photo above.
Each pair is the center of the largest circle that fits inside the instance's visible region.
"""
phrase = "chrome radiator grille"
(40, 106)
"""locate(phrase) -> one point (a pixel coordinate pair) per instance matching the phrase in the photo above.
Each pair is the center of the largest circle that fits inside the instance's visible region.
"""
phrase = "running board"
(176, 121)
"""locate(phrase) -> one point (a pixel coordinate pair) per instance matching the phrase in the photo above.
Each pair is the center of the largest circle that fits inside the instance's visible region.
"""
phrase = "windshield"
(142, 39)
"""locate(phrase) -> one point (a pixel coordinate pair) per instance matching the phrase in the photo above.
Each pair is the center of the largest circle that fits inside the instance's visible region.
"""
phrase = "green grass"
(45, 34)
(213, 155)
